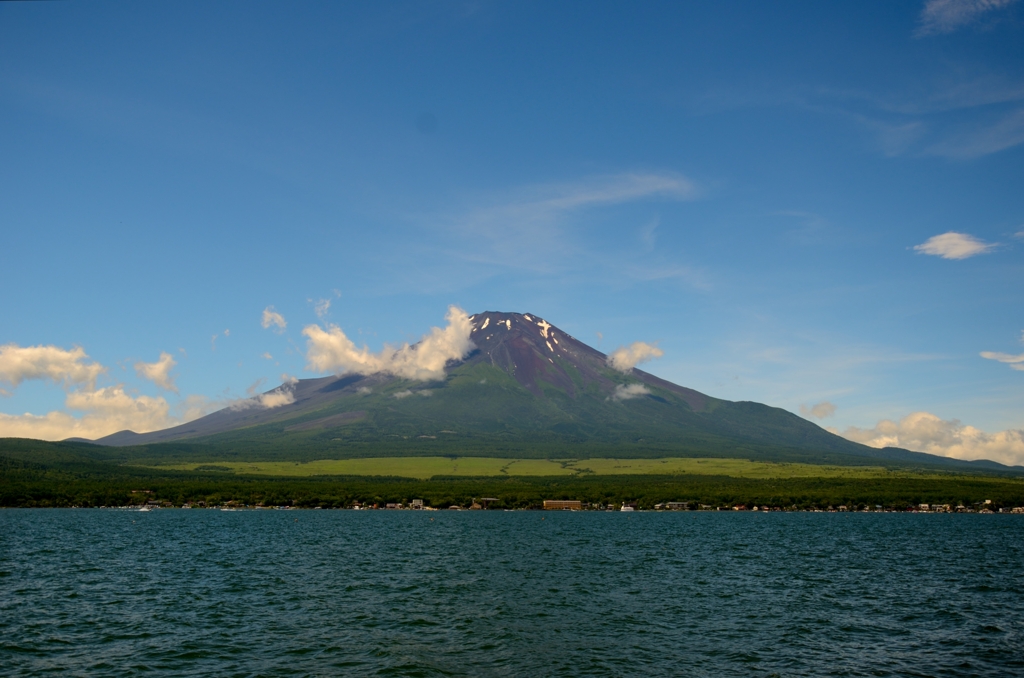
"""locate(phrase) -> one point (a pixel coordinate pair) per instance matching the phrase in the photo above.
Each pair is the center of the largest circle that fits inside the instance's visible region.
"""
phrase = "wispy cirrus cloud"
(939, 17)
(541, 203)
(272, 318)
(322, 306)
(960, 113)
(953, 245)
(547, 230)
(960, 117)
(980, 139)
(533, 219)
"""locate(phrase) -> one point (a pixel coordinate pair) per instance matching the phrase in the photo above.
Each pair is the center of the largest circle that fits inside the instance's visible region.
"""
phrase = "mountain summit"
(536, 353)
(525, 388)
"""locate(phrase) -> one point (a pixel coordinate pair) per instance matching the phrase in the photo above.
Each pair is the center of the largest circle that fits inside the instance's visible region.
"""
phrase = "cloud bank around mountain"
(330, 350)
(625, 358)
(629, 391)
(925, 432)
(282, 395)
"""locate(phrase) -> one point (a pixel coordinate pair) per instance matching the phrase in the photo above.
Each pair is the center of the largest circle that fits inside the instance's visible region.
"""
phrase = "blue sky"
(752, 186)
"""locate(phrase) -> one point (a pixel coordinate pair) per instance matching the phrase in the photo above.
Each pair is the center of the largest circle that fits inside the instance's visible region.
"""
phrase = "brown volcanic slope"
(527, 389)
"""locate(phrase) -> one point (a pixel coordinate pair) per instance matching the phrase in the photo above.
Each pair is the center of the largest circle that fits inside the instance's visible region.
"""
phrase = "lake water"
(280, 593)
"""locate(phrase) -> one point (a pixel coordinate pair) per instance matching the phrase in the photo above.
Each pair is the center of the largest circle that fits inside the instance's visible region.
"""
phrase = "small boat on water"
(145, 508)
(627, 507)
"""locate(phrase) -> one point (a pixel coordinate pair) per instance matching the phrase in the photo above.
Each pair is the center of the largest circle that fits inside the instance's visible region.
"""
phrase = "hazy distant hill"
(529, 389)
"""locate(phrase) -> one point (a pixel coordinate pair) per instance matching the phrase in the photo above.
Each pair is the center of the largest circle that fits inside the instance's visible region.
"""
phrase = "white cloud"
(629, 391)
(946, 16)
(289, 379)
(159, 372)
(364, 390)
(954, 245)
(331, 350)
(821, 410)
(321, 307)
(106, 410)
(103, 410)
(925, 432)
(625, 358)
(266, 356)
(276, 398)
(1016, 362)
(92, 412)
(272, 317)
(403, 394)
(66, 367)
(282, 395)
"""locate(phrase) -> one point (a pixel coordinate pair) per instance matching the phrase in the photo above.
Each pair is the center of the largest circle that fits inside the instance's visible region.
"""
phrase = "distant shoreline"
(1017, 510)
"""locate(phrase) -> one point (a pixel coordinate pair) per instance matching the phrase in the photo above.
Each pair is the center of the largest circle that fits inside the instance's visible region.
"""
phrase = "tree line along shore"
(643, 492)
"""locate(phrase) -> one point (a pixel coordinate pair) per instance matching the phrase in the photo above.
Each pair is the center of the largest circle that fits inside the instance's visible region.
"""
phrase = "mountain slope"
(528, 389)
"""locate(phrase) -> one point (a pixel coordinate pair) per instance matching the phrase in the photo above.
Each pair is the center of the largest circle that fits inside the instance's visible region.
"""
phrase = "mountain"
(528, 389)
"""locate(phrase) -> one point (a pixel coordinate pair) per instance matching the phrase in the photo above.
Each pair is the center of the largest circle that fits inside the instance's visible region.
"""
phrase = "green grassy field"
(40, 474)
(423, 468)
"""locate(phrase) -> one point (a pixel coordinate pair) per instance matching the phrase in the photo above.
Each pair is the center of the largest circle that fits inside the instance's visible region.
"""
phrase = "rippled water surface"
(174, 592)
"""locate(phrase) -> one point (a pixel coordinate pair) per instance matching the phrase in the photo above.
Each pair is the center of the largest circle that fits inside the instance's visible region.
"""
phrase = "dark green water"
(277, 593)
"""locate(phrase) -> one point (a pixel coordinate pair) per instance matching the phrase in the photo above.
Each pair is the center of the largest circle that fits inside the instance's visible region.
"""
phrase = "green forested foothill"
(36, 474)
